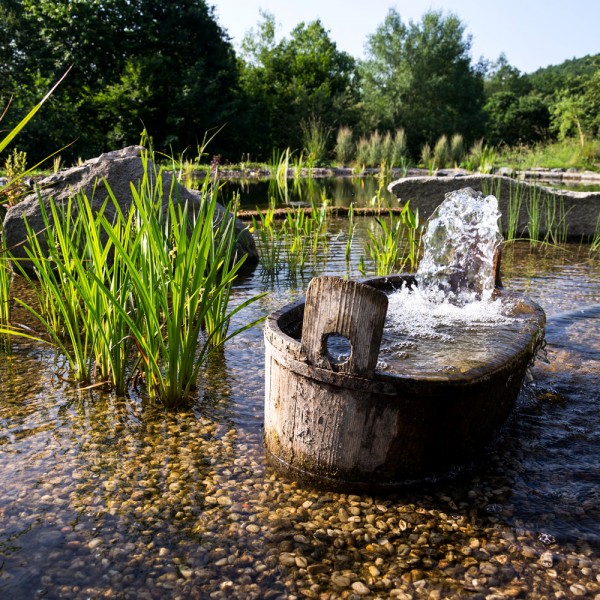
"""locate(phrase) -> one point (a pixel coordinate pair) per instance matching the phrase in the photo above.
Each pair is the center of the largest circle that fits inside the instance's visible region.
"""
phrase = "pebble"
(340, 581)
(360, 588)
(182, 505)
(546, 559)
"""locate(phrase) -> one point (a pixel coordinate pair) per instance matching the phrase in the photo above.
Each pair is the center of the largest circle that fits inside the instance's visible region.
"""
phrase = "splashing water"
(461, 243)
(452, 316)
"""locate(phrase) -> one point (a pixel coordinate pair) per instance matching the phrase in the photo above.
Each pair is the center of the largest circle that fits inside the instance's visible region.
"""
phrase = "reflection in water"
(111, 497)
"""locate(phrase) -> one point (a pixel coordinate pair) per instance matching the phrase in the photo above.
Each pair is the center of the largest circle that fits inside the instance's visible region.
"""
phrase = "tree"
(503, 77)
(420, 77)
(577, 109)
(167, 66)
(514, 119)
(289, 83)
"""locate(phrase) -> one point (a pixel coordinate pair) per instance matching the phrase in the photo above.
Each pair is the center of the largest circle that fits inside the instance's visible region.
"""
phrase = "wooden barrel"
(342, 422)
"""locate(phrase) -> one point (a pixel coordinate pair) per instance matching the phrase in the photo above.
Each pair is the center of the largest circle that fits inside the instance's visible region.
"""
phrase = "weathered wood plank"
(336, 306)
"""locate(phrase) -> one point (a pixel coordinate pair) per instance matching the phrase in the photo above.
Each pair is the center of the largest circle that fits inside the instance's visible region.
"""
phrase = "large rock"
(580, 209)
(118, 169)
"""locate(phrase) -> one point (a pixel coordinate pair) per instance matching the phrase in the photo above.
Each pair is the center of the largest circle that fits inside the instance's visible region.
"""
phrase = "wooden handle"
(356, 311)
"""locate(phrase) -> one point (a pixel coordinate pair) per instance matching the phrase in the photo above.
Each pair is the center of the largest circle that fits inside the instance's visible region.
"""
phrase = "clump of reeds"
(595, 243)
(394, 243)
(141, 296)
(315, 139)
(293, 244)
(427, 157)
(441, 152)
(344, 146)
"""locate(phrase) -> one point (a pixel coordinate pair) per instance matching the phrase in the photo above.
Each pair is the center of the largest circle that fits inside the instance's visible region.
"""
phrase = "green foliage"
(456, 150)
(577, 111)
(166, 66)
(513, 118)
(441, 152)
(549, 80)
(315, 137)
(169, 67)
(550, 155)
(595, 244)
(500, 76)
(481, 157)
(419, 76)
(5, 281)
(300, 78)
(344, 146)
(394, 243)
(155, 283)
(15, 167)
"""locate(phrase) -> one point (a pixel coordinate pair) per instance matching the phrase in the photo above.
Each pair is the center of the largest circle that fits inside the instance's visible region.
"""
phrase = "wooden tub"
(344, 423)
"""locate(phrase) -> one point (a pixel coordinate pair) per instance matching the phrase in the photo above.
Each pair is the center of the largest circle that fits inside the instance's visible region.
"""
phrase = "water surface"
(113, 497)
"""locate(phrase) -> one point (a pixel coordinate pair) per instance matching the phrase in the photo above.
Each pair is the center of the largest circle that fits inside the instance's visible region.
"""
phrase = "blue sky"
(532, 33)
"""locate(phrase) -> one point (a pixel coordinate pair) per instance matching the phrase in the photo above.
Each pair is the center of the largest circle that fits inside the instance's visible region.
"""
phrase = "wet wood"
(348, 309)
(341, 429)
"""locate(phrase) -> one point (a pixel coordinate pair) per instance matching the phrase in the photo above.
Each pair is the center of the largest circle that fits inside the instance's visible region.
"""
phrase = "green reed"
(515, 203)
(595, 243)
(53, 254)
(181, 273)
(5, 284)
(351, 227)
(556, 220)
(144, 294)
(269, 240)
(534, 214)
(394, 244)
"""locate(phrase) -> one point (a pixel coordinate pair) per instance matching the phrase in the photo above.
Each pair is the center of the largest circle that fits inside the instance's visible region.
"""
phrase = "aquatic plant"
(397, 155)
(269, 240)
(294, 242)
(350, 235)
(456, 149)
(16, 168)
(441, 152)
(376, 150)
(154, 283)
(595, 243)
(393, 245)
(427, 158)
(315, 138)
(5, 283)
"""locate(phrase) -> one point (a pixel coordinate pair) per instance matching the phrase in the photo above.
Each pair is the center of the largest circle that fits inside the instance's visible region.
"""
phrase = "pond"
(339, 191)
(104, 496)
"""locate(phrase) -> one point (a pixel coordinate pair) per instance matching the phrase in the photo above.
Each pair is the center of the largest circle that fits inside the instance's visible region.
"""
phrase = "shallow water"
(112, 497)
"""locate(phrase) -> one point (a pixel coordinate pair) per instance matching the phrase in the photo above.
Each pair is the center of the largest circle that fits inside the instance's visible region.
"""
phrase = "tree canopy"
(300, 78)
(166, 66)
(170, 68)
(419, 76)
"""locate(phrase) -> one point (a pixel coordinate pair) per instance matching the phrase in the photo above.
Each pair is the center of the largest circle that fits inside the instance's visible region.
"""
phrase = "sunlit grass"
(140, 297)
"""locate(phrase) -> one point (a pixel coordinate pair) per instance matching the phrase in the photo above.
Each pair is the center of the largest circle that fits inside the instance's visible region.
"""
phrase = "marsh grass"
(557, 227)
(5, 285)
(269, 240)
(143, 296)
(441, 152)
(378, 150)
(595, 243)
(350, 235)
(344, 146)
(315, 139)
(394, 244)
(292, 244)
